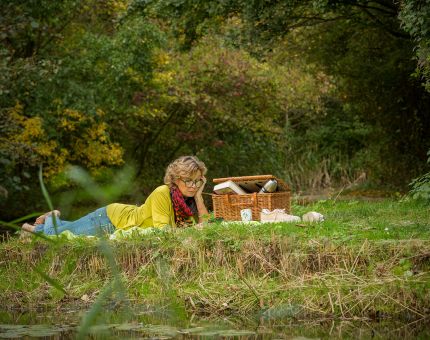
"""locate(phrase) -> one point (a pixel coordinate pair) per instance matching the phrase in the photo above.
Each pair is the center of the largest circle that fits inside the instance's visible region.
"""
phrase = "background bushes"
(249, 88)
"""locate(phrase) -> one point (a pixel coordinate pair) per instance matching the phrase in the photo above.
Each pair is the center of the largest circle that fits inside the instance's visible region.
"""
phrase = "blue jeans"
(95, 223)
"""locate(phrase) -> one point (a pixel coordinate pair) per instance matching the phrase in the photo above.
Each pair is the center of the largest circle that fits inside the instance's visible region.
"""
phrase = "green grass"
(366, 260)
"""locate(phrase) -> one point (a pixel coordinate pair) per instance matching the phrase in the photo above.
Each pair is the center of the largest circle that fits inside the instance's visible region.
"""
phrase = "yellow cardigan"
(157, 211)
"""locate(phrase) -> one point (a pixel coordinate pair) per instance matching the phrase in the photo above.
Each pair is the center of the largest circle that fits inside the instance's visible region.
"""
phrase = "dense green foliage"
(415, 19)
(415, 16)
(361, 44)
(320, 93)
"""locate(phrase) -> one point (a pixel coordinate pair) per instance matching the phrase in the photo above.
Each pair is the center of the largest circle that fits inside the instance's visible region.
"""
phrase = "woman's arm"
(201, 208)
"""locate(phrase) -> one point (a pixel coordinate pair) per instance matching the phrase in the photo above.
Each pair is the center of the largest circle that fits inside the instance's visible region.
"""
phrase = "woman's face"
(190, 184)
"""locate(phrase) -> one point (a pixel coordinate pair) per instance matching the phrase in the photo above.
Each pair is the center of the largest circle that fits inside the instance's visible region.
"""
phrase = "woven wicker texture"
(228, 206)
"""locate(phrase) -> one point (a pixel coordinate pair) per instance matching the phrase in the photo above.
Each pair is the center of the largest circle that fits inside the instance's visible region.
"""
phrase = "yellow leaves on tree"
(24, 142)
(72, 137)
(87, 139)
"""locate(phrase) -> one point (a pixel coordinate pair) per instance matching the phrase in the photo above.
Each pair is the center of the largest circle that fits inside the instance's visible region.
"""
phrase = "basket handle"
(244, 178)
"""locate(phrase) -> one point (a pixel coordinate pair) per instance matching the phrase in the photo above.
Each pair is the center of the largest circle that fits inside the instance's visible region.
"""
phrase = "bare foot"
(28, 227)
(41, 219)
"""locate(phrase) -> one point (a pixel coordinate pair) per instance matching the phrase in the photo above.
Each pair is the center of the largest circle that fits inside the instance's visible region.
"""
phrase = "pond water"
(145, 323)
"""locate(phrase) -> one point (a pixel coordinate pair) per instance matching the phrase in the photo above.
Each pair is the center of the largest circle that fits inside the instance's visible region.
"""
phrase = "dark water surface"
(145, 323)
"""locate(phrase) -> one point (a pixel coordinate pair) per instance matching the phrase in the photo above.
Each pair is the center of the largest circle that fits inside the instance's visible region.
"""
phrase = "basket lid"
(258, 180)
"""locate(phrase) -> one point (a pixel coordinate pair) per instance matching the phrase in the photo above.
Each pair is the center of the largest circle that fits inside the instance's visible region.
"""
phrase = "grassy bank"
(367, 260)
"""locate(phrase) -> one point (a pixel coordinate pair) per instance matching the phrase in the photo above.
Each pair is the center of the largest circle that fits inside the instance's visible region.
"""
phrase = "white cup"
(246, 215)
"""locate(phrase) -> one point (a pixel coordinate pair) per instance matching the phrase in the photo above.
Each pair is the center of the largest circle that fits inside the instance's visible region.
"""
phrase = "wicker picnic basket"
(228, 206)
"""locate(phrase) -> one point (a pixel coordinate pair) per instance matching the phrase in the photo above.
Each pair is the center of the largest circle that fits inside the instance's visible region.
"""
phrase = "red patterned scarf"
(184, 208)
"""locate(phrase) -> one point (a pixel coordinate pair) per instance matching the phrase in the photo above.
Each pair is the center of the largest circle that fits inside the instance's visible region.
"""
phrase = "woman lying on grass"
(177, 203)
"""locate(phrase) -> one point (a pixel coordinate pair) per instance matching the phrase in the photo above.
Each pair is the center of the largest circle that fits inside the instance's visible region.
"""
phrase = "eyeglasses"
(189, 183)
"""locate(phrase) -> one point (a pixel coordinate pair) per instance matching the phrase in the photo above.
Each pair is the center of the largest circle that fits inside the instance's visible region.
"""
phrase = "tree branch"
(392, 10)
(394, 33)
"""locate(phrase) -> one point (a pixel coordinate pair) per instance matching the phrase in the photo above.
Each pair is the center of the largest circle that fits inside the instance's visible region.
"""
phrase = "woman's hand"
(201, 208)
(200, 190)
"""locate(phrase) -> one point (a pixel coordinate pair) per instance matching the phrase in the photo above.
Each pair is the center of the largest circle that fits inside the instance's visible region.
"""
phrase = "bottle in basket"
(269, 186)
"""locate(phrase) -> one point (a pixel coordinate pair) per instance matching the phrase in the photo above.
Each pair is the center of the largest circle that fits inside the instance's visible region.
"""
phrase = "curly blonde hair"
(185, 166)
